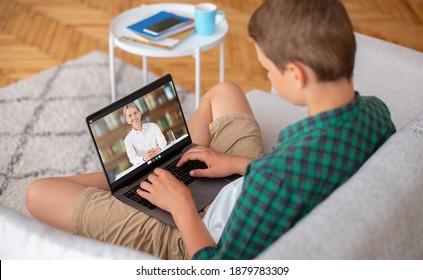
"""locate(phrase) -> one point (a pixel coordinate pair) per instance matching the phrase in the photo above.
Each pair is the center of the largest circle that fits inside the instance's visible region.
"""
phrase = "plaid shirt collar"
(322, 120)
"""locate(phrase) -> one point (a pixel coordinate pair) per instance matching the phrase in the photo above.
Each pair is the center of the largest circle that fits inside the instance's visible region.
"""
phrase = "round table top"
(188, 46)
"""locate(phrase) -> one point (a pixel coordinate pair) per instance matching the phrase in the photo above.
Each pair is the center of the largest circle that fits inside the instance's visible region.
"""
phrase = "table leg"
(222, 62)
(144, 70)
(112, 68)
(197, 57)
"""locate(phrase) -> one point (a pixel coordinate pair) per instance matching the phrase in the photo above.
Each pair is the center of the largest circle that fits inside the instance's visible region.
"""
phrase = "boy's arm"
(193, 231)
(218, 164)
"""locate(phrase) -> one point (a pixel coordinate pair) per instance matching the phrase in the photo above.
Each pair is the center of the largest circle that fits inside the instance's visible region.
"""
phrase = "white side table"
(193, 45)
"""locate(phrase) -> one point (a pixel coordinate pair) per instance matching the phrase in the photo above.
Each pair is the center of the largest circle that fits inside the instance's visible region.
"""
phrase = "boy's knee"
(33, 195)
(227, 87)
(224, 89)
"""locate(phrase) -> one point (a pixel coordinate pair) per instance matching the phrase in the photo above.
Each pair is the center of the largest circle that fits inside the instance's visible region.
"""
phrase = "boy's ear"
(298, 73)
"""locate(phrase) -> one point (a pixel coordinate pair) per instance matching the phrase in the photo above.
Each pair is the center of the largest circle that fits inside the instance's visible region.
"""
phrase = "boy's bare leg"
(222, 99)
(52, 200)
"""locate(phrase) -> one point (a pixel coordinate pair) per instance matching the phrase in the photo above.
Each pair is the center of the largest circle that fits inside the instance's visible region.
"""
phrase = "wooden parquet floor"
(38, 34)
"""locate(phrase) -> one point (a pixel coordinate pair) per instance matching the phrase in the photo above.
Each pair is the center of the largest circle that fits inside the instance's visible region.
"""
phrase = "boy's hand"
(167, 192)
(219, 164)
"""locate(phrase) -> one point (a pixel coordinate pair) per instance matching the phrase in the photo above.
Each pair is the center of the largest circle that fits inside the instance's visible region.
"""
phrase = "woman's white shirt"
(138, 143)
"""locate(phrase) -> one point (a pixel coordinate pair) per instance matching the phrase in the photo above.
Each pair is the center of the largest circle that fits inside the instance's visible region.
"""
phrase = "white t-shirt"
(138, 143)
(221, 208)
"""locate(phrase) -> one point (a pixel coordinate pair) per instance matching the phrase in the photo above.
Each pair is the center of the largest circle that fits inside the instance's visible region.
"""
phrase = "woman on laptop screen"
(144, 141)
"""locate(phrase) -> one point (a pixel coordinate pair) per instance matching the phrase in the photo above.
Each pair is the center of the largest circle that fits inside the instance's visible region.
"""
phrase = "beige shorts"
(100, 216)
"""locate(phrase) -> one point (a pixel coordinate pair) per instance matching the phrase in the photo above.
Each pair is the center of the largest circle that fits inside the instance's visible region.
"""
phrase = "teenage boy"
(308, 49)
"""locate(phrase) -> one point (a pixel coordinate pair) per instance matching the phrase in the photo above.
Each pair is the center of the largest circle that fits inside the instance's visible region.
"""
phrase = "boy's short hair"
(317, 33)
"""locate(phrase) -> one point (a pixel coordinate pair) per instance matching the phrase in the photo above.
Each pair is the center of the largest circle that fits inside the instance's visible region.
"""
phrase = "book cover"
(140, 26)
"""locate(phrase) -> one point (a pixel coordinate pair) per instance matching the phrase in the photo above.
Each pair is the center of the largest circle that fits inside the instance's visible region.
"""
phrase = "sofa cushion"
(377, 214)
(391, 72)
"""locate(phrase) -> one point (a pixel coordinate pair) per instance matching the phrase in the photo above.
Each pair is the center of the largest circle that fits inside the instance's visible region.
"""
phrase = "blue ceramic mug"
(205, 18)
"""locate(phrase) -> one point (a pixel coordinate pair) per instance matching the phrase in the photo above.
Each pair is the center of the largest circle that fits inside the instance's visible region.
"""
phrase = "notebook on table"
(159, 104)
(161, 25)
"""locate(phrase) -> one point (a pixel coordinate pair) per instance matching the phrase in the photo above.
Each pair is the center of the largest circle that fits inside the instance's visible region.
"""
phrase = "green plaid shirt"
(311, 159)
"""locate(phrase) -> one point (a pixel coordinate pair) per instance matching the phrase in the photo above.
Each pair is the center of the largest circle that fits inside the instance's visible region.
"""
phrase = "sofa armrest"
(25, 238)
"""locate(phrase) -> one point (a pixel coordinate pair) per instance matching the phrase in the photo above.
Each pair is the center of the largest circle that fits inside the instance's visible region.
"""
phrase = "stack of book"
(163, 29)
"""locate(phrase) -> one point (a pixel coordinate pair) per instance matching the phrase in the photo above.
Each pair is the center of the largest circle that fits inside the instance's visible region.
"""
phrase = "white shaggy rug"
(42, 121)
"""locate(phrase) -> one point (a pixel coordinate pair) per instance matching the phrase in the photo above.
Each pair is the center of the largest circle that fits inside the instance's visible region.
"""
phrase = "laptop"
(160, 107)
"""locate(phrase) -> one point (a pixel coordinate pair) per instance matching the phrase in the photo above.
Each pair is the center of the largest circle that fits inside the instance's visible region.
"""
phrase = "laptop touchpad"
(204, 190)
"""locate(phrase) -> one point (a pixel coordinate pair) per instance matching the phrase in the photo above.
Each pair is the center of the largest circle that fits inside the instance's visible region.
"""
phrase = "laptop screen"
(140, 131)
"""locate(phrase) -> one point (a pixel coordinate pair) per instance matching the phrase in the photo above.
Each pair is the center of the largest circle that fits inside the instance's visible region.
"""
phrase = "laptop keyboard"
(181, 173)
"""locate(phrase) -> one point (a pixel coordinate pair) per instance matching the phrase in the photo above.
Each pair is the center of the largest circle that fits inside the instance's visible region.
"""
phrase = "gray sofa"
(377, 214)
